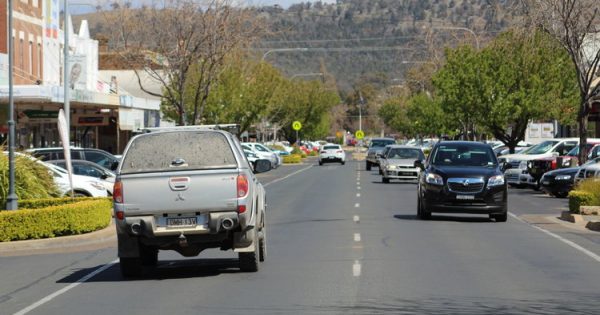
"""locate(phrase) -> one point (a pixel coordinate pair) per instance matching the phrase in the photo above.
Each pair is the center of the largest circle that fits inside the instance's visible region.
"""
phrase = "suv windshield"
(381, 142)
(463, 155)
(403, 153)
(542, 148)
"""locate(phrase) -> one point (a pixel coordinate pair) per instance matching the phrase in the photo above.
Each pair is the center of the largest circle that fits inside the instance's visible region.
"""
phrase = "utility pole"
(12, 198)
(362, 102)
(67, 105)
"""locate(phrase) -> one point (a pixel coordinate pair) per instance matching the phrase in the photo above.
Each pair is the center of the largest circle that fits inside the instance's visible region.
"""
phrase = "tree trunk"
(583, 128)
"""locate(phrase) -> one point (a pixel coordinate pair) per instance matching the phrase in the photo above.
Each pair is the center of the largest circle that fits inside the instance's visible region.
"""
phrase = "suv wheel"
(249, 261)
(385, 180)
(130, 266)
(500, 217)
(423, 213)
(368, 166)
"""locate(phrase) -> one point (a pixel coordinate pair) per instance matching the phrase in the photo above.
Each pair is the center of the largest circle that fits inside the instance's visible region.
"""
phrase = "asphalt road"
(339, 241)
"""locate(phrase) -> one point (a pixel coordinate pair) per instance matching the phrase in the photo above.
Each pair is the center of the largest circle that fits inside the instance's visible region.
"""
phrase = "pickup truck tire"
(249, 262)
(263, 244)
(368, 166)
(148, 255)
(130, 266)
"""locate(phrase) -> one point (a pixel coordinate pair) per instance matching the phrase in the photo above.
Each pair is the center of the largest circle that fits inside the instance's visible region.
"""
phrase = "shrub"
(303, 155)
(49, 202)
(579, 198)
(313, 153)
(296, 150)
(292, 159)
(592, 186)
(32, 180)
(78, 217)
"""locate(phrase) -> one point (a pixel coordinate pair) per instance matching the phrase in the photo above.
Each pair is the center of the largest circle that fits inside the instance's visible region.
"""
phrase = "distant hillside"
(355, 38)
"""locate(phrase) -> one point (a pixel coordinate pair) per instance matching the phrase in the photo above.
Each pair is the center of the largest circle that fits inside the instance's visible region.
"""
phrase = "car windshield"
(463, 155)
(331, 147)
(405, 153)
(575, 150)
(541, 148)
(381, 142)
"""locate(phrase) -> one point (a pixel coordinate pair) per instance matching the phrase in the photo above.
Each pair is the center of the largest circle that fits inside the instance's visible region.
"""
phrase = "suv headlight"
(497, 180)
(563, 177)
(391, 167)
(434, 179)
(523, 165)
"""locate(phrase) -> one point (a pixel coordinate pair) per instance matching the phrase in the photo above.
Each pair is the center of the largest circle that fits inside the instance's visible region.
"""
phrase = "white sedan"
(332, 153)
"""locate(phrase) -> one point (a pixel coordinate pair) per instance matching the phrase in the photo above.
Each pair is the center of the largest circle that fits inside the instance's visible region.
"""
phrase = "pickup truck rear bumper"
(147, 226)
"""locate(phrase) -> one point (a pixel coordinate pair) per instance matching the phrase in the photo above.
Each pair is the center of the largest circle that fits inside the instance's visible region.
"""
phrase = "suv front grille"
(515, 164)
(465, 185)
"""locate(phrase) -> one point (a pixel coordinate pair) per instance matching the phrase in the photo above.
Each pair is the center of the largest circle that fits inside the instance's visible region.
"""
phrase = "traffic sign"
(339, 134)
(296, 125)
(360, 134)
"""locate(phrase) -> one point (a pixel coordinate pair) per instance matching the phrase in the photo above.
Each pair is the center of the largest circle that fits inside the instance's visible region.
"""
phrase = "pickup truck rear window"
(177, 151)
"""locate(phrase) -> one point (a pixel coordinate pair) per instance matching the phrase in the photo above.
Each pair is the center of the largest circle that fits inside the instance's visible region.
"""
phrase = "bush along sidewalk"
(46, 218)
(587, 193)
(292, 159)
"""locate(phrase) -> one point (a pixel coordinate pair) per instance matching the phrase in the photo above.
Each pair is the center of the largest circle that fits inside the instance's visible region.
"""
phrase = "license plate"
(465, 197)
(407, 174)
(546, 182)
(177, 222)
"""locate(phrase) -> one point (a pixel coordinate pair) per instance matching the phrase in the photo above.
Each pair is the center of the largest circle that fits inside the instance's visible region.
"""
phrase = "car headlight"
(97, 185)
(434, 179)
(391, 167)
(563, 177)
(523, 165)
(497, 180)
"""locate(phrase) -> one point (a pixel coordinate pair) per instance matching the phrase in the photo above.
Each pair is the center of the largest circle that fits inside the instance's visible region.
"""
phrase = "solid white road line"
(357, 237)
(65, 289)
(356, 268)
(356, 219)
(560, 238)
(287, 176)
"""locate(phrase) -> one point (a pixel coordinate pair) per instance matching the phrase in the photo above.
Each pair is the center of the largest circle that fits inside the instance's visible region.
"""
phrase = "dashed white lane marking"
(356, 268)
(65, 289)
(357, 194)
(287, 176)
(357, 183)
(356, 219)
(560, 238)
(357, 205)
(358, 187)
(357, 237)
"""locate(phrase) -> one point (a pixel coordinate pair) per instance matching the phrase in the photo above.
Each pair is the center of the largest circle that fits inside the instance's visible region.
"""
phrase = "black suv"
(97, 156)
(462, 177)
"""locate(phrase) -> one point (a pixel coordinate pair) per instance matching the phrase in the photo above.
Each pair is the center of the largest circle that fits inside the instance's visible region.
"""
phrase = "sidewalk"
(104, 238)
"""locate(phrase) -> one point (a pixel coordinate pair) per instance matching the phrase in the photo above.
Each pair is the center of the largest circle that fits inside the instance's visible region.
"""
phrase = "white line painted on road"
(357, 237)
(560, 238)
(357, 194)
(356, 205)
(356, 268)
(356, 219)
(287, 176)
(358, 183)
(65, 289)
(358, 187)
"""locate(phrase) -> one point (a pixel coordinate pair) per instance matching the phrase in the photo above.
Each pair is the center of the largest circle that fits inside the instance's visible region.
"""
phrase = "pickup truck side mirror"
(419, 164)
(261, 166)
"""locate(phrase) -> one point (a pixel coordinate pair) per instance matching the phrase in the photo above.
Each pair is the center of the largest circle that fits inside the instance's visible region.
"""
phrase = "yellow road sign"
(296, 125)
(360, 134)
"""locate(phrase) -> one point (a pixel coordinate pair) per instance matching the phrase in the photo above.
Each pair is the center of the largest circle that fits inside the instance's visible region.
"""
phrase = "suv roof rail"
(233, 128)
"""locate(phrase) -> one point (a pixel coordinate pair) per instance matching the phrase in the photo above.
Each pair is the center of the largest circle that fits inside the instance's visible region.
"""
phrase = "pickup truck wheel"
(263, 244)
(130, 267)
(249, 262)
(149, 256)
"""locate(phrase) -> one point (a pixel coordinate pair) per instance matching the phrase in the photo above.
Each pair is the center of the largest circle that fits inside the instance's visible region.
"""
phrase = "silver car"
(398, 162)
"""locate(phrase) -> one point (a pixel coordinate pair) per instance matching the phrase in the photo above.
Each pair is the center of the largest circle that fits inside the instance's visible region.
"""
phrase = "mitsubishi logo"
(466, 183)
(179, 197)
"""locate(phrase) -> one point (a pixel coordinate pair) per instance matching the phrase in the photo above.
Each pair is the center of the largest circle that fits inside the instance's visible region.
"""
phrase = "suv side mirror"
(419, 164)
(261, 166)
(505, 166)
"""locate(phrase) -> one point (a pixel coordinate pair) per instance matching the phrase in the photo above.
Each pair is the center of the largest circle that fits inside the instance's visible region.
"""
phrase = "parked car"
(462, 177)
(97, 156)
(188, 198)
(252, 158)
(375, 150)
(560, 182)
(87, 168)
(332, 153)
(538, 167)
(502, 149)
(588, 171)
(398, 162)
(263, 152)
(83, 186)
(518, 175)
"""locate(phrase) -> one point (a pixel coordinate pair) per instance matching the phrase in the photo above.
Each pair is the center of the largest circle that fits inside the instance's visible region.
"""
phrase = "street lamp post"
(12, 198)
(67, 105)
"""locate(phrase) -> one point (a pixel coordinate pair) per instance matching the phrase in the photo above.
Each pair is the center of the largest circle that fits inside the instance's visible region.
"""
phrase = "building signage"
(90, 120)
(51, 16)
(78, 72)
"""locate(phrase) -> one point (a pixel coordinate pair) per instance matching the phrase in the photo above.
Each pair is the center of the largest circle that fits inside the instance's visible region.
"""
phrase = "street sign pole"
(297, 137)
(12, 198)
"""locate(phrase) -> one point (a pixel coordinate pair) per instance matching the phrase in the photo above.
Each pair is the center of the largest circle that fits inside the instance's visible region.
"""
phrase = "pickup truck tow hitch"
(182, 240)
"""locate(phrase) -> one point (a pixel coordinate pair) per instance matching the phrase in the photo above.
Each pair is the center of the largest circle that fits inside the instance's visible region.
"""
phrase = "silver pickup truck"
(188, 190)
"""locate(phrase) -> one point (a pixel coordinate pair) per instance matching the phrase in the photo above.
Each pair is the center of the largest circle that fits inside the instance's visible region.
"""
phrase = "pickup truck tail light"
(118, 192)
(242, 186)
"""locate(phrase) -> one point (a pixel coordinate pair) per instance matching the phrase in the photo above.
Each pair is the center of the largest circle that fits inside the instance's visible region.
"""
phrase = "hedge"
(80, 216)
(292, 159)
(579, 198)
(313, 153)
(48, 202)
